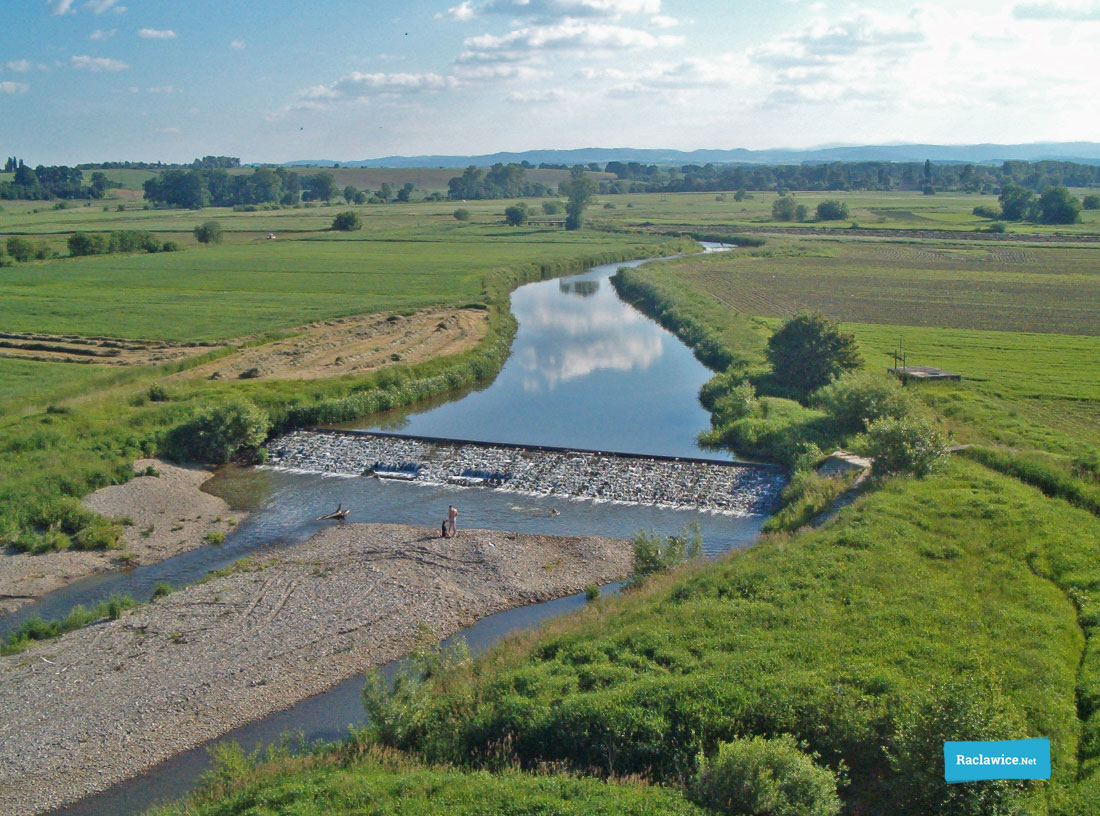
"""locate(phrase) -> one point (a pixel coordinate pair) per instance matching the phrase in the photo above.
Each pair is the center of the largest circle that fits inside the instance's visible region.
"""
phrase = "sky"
(279, 80)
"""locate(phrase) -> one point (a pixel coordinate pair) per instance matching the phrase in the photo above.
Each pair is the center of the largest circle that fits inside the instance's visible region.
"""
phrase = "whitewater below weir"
(670, 482)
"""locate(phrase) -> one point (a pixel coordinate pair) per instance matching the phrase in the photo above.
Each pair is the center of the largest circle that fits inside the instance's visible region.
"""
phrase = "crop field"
(1033, 288)
(1019, 323)
(869, 210)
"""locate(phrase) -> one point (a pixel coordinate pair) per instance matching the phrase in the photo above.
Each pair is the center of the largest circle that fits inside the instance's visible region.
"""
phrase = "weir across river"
(739, 488)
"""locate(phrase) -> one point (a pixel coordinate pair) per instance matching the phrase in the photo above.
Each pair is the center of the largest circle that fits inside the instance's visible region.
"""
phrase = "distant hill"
(1085, 152)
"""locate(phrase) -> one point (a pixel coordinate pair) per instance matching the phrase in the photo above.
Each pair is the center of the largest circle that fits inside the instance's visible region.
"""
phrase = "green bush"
(219, 433)
(765, 777)
(462, 214)
(516, 215)
(858, 398)
(739, 402)
(784, 208)
(832, 209)
(969, 707)
(652, 553)
(209, 232)
(162, 589)
(913, 445)
(1091, 202)
(556, 208)
(347, 221)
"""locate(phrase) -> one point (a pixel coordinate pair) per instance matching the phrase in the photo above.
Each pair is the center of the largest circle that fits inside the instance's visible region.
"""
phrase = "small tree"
(516, 215)
(784, 208)
(1091, 202)
(578, 192)
(1057, 205)
(740, 194)
(832, 210)
(462, 214)
(347, 221)
(552, 207)
(20, 248)
(809, 350)
(349, 194)
(765, 777)
(209, 232)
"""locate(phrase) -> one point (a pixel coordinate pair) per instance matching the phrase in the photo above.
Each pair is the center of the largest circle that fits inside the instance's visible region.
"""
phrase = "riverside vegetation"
(957, 605)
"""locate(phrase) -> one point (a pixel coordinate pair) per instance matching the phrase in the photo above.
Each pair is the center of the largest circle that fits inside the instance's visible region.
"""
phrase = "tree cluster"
(46, 183)
(194, 189)
(634, 177)
(1057, 205)
(499, 181)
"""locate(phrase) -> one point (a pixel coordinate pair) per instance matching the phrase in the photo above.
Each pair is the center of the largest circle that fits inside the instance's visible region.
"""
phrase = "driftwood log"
(339, 514)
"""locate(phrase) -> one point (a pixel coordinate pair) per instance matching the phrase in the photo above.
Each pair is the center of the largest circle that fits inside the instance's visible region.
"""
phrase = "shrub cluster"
(120, 241)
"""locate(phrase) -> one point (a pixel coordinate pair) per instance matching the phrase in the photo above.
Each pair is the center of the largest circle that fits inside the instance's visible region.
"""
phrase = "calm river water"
(587, 371)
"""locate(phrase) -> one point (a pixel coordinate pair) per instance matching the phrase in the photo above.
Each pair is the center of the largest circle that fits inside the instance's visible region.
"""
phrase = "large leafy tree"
(1057, 205)
(578, 192)
(809, 350)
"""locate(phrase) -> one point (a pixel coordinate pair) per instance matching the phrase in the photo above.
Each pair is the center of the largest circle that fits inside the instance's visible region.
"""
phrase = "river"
(587, 371)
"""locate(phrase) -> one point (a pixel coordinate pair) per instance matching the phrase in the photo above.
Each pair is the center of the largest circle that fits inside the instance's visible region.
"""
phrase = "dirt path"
(169, 513)
(353, 345)
(103, 703)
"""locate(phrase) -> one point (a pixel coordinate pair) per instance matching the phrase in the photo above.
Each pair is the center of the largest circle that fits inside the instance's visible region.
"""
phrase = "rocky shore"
(715, 486)
(164, 515)
(103, 703)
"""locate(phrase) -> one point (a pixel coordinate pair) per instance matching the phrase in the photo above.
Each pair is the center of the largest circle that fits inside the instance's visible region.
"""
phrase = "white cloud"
(101, 34)
(60, 6)
(536, 97)
(552, 9)
(357, 85)
(237, 45)
(1076, 12)
(9, 87)
(568, 36)
(663, 21)
(822, 43)
(19, 66)
(100, 6)
(162, 89)
(499, 71)
(98, 64)
(156, 34)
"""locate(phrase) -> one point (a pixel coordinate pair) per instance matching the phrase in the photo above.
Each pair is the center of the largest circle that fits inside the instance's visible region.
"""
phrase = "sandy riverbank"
(170, 515)
(103, 703)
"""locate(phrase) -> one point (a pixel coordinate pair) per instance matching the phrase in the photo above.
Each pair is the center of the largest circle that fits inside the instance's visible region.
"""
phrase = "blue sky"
(274, 80)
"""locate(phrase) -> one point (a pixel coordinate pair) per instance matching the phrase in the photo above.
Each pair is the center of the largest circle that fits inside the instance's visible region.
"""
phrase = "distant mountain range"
(1085, 152)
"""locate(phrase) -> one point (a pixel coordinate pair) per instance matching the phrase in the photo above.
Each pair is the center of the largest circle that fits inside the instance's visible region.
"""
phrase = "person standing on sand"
(452, 515)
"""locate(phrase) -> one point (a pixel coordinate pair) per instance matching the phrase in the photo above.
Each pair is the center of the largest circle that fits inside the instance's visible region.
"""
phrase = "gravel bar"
(737, 489)
(104, 703)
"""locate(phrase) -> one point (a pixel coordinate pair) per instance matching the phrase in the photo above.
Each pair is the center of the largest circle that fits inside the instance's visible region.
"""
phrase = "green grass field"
(210, 293)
